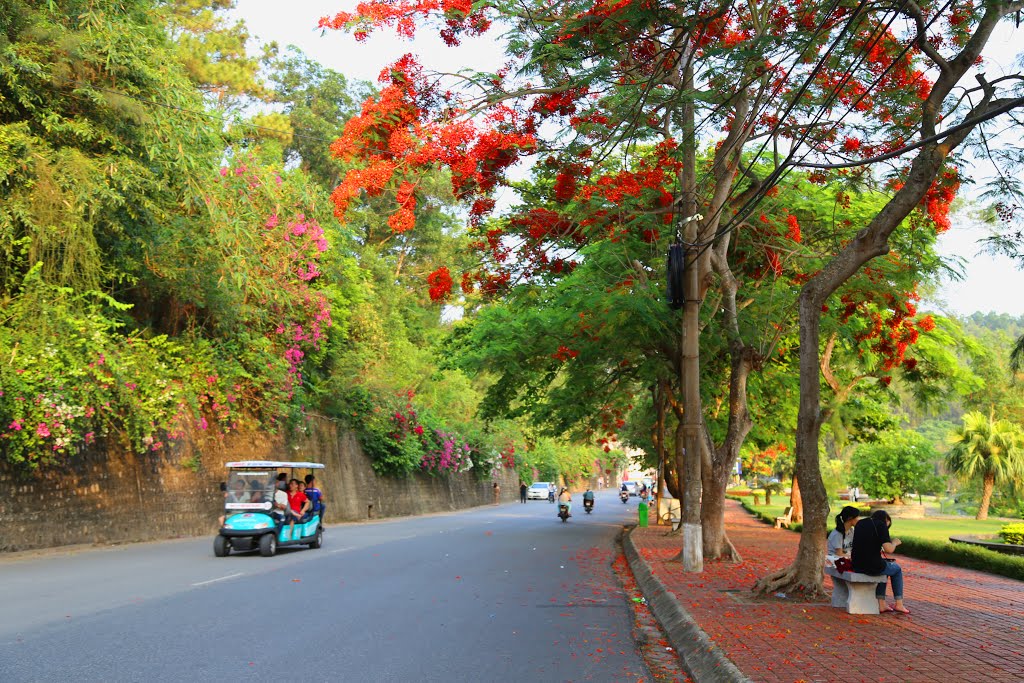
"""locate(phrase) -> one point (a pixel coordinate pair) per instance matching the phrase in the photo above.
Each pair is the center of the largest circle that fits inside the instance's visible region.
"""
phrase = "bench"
(855, 592)
(785, 520)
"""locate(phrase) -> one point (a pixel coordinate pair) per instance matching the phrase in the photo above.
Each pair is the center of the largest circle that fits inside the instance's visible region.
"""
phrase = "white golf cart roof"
(274, 463)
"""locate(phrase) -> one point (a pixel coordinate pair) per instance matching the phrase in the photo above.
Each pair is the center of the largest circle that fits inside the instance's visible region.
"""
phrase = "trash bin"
(642, 511)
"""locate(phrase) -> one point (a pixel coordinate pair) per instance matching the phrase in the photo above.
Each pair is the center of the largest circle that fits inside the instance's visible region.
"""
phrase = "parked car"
(538, 490)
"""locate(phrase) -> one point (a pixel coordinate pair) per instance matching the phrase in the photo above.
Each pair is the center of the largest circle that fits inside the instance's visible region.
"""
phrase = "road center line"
(223, 578)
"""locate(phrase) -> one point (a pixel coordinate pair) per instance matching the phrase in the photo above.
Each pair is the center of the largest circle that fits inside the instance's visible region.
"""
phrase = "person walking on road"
(522, 492)
(497, 493)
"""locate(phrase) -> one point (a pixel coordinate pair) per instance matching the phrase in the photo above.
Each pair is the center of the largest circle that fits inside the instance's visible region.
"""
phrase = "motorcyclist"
(565, 498)
(588, 498)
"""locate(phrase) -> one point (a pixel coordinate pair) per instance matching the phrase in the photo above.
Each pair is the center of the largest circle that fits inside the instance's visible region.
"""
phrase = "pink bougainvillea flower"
(42, 430)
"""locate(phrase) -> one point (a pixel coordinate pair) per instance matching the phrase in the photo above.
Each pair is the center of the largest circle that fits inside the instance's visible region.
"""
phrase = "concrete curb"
(701, 657)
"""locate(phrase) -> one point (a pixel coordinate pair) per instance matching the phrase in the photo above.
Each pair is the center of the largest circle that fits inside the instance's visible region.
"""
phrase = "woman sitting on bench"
(870, 539)
(841, 539)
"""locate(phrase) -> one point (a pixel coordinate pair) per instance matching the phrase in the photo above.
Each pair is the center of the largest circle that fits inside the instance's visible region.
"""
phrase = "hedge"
(1013, 533)
(964, 555)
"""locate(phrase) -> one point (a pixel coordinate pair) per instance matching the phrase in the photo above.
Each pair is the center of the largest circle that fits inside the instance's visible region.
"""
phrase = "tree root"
(728, 553)
(790, 582)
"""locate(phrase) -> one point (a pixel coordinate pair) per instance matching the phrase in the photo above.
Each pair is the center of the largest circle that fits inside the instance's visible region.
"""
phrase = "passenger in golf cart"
(258, 514)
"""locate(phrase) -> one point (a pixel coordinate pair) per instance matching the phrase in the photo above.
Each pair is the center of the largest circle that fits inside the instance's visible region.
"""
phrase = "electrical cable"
(777, 173)
(744, 212)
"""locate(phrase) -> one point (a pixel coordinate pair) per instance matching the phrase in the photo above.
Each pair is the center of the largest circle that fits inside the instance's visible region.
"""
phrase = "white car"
(538, 490)
(631, 487)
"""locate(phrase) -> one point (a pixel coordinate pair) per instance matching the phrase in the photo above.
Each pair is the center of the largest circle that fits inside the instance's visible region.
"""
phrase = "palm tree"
(989, 448)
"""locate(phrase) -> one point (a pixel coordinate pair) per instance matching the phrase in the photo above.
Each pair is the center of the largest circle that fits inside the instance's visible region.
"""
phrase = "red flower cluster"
(564, 353)
(939, 198)
(392, 141)
(440, 282)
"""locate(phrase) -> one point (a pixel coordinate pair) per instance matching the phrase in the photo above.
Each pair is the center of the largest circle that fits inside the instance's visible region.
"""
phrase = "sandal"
(887, 609)
(900, 611)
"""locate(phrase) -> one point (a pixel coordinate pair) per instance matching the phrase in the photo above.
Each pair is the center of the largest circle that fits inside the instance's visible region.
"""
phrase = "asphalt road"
(502, 593)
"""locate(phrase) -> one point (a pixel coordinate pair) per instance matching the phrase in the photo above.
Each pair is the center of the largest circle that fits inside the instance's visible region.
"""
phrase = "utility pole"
(693, 538)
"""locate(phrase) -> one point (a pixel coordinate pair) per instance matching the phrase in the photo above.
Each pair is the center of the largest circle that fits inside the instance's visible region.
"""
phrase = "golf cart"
(250, 521)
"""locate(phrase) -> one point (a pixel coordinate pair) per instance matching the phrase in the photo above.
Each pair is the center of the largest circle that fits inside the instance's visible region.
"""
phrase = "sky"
(990, 283)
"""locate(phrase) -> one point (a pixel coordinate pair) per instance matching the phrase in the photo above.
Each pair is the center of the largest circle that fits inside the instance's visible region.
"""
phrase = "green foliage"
(142, 286)
(316, 101)
(895, 464)
(211, 48)
(69, 376)
(1013, 533)
(964, 555)
(984, 447)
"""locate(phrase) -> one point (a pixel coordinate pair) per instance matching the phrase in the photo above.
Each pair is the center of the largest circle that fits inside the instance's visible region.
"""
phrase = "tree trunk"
(692, 555)
(796, 503)
(672, 480)
(767, 495)
(986, 495)
(804, 575)
(717, 545)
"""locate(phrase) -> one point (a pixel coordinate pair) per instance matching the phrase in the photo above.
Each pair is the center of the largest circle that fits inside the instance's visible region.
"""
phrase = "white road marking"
(223, 578)
(341, 550)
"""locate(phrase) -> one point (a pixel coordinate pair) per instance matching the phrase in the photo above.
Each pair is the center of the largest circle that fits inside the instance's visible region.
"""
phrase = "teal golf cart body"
(250, 521)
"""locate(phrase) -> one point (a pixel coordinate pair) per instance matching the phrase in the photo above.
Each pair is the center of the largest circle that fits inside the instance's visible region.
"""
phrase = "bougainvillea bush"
(240, 275)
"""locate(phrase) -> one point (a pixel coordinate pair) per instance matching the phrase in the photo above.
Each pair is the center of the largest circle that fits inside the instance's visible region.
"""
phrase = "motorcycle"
(624, 496)
(588, 505)
(563, 512)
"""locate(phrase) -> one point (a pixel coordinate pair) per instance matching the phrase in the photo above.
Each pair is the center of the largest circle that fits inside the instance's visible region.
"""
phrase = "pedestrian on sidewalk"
(522, 492)
(497, 493)
(870, 541)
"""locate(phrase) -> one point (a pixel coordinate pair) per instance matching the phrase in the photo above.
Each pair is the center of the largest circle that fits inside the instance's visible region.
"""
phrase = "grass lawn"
(931, 528)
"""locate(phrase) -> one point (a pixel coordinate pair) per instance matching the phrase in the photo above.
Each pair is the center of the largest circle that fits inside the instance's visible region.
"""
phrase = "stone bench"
(855, 592)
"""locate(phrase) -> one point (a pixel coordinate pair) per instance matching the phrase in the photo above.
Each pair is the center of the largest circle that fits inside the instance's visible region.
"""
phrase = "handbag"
(844, 564)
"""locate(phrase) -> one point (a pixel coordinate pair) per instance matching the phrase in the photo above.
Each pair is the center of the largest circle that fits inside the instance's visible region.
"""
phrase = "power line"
(966, 123)
(787, 166)
(780, 171)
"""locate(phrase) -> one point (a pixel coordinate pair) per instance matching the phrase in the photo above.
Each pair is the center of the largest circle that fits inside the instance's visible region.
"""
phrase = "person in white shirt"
(840, 541)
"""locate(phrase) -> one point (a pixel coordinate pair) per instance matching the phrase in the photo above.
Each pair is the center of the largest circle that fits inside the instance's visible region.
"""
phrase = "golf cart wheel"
(268, 545)
(221, 546)
(318, 540)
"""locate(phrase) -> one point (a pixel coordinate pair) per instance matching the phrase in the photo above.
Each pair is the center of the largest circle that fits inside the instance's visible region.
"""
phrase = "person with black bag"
(870, 541)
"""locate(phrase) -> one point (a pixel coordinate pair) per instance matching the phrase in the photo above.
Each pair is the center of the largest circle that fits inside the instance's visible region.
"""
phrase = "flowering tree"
(612, 99)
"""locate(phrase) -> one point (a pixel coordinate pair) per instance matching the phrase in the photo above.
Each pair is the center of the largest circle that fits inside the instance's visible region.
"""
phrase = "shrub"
(1013, 533)
(964, 555)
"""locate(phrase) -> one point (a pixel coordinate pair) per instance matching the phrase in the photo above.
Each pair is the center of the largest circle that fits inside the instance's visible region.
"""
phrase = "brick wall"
(107, 495)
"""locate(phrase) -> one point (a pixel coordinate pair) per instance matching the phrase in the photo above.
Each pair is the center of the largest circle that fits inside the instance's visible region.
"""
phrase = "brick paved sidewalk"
(964, 626)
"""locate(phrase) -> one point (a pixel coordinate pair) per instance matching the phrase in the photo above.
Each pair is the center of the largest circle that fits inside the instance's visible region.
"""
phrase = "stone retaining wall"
(108, 495)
